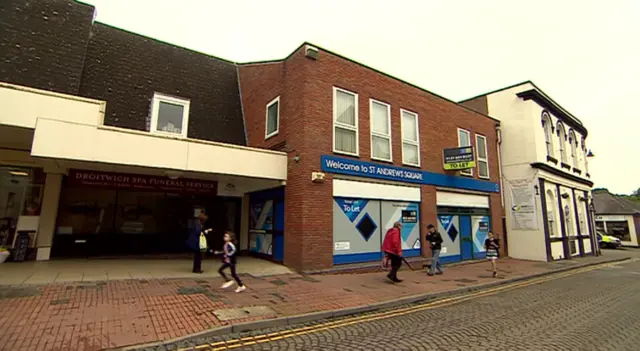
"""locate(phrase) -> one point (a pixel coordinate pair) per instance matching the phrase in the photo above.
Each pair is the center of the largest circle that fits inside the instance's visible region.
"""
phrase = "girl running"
(229, 261)
(492, 244)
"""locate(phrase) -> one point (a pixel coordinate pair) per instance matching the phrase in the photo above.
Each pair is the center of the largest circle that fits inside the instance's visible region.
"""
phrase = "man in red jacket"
(392, 247)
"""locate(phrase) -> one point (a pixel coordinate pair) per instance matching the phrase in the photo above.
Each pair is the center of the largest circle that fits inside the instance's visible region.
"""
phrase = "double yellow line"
(271, 337)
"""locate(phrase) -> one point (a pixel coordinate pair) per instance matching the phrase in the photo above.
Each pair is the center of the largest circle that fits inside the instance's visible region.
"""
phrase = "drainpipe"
(499, 142)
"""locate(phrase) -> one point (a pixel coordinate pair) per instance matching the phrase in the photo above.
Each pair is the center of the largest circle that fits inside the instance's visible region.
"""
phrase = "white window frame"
(573, 146)
(345, 126)
(548, 133)
(562, 139)
(486, 159)
(268, 135)
(380, 135)
(415, 143)
(465, 172)
(155, 109)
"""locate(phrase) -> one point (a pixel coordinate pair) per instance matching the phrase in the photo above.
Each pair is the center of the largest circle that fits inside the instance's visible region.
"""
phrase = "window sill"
(552, 159)
(381, 160)
(470, 175)
(269, 136)
(485, 178)
(565, 166)
(346, 153)
(555, 238)
(412, 165)
(170, 135)
(577, 171)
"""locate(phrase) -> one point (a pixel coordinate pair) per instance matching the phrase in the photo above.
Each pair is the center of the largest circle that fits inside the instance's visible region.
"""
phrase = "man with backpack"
(392, 248)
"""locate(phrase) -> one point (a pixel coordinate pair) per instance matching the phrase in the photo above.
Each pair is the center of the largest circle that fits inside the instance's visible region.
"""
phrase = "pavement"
(98, 315)
(595, 309)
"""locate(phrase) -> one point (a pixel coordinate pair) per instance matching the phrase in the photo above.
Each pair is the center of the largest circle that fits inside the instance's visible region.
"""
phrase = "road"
(592, 310)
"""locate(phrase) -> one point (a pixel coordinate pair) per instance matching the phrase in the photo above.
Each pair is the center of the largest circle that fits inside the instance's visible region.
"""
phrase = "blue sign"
(351, 207)
(340, 165)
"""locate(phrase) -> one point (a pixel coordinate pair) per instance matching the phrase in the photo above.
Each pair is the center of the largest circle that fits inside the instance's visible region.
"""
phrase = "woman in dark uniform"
(193, 243)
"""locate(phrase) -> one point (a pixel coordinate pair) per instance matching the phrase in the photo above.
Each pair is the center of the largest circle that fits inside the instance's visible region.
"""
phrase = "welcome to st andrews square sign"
(347, 166)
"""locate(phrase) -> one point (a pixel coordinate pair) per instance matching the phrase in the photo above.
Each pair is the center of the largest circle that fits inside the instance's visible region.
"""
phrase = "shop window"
(273, 118)
(551, 214)
(483, 159)
(345, 122)
(21, 192)
(548, 132)
(169, 115)
(464, 139)
(600, 226)
(380, 115)
(562, 139)
(410, 139)
(619, 229)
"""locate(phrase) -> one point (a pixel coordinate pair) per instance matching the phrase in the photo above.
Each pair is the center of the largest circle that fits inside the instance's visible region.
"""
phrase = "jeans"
(234, 275)
(435, 262)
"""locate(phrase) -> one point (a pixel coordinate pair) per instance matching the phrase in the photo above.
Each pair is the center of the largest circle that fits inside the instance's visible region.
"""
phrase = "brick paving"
(107, 314)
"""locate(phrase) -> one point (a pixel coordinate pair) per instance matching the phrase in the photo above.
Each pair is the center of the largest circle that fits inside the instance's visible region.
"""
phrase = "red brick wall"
(305, 88)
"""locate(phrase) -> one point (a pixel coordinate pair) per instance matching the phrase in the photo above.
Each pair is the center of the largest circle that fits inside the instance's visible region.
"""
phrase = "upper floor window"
(345, 122)
(573, 144)
(548, 133)
(169, 115)
(273, 118)
(464, 139)
(410, 139)
(380, 115)
(562, 139)
(585, 153)
(483, 159)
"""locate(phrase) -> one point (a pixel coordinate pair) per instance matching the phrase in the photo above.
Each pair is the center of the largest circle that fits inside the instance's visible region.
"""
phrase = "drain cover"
(227, 314)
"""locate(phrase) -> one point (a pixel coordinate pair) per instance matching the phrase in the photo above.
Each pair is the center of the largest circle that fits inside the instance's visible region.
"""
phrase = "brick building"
(309, 159)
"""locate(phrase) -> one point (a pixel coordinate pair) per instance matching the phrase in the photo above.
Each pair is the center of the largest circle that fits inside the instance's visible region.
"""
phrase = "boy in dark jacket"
(392, 247)
(435, 241)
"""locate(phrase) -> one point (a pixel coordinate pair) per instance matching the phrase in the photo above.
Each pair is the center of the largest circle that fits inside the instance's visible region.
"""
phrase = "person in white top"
(229, 260)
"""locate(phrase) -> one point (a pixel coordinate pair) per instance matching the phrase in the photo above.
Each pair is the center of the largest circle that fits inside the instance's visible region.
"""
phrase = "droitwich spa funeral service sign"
(458, 158)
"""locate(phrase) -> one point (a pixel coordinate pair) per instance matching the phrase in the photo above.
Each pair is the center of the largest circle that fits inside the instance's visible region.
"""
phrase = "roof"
(541, 98)
(608, 203)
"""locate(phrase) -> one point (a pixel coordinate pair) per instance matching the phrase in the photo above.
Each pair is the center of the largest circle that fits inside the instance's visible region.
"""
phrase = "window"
(169, 115)
(548, 133)
(483, 159)
(464, 139)
(380, 119)
(582, 219)
(273, 118)
(410, 139)
(619, 229)
(584, 152)
(562, 138)
(568, 218)
(573, 144)
(551, 214)
(345, 122)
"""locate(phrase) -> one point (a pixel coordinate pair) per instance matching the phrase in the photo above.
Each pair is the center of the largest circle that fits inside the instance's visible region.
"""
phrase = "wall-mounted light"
(565, 195)
(537, 189)
(19, 173)
(296, 159)
(590, 153)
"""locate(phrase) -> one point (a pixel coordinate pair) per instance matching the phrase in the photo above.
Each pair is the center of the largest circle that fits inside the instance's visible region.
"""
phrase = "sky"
(583, 53)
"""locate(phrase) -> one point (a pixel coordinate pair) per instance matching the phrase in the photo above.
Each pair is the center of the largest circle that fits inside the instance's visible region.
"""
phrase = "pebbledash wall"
(343, 217)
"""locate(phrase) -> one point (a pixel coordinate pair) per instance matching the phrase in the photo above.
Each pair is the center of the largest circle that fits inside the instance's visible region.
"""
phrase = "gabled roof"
(541, 98)
(608, 203)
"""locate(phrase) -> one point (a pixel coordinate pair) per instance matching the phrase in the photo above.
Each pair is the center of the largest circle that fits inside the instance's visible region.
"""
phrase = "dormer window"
(169, 115)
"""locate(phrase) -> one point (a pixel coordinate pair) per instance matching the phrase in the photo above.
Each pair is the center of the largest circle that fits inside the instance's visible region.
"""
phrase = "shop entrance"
(110, 218)
(464, 231)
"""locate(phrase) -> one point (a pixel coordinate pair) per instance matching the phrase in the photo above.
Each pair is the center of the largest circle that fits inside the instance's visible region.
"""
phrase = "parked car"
(608, 241)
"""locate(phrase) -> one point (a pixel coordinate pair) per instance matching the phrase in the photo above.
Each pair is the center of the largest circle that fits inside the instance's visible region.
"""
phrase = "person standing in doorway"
(229, 260)
(492, 245)
(435, 242)
(202, 227)
(392, 247)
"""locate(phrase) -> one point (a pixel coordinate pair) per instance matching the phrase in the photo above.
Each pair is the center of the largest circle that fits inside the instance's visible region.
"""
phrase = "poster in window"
(409, 216)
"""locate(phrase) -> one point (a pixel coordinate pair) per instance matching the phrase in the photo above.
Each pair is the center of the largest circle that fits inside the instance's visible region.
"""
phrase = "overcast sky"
(583, 53)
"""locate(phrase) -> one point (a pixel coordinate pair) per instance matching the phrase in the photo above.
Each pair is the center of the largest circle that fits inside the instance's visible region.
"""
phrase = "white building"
(545, 173)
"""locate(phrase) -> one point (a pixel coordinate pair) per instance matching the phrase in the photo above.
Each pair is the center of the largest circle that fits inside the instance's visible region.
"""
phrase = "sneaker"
(430, 274)
(495, 274)
(227, 284)
(241, 289)
(439, 273)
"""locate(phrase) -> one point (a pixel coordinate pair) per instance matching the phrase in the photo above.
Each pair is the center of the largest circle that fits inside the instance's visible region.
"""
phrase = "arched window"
(573, 144)
(584, 152)
(562, 140)
(551, 214)
(548, 132)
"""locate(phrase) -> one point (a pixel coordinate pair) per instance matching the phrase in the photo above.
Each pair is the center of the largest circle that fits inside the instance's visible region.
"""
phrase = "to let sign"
(140, 182)
(458, 158)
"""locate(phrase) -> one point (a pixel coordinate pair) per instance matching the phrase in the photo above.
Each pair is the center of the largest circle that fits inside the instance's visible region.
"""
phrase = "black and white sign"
(409, 216)
(523, 205)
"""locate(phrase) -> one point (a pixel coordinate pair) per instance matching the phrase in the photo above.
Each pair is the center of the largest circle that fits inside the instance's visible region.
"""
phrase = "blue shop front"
(369, 197)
